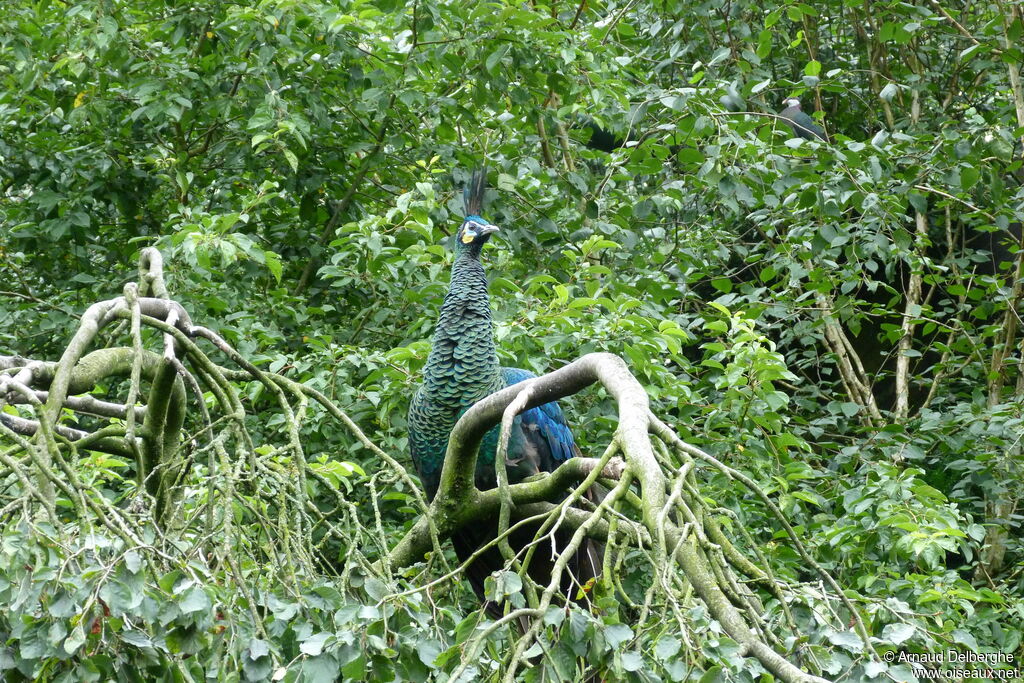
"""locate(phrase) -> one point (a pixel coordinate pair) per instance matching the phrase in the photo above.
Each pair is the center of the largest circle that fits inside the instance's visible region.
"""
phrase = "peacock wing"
(541, 439)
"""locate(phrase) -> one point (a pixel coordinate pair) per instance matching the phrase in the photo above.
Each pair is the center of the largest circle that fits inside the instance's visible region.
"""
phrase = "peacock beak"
(489, 229)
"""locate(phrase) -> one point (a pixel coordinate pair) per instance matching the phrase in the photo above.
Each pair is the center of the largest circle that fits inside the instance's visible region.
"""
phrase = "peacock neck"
(463, 364)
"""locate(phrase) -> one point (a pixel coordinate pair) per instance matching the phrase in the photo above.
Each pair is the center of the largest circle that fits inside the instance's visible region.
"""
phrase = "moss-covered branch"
(459, 503)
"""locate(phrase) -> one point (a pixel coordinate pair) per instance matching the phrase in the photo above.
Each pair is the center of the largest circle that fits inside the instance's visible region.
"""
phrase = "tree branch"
(458, 502)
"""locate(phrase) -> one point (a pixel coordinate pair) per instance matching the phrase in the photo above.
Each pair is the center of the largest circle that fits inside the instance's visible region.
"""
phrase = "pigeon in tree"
(802, 124)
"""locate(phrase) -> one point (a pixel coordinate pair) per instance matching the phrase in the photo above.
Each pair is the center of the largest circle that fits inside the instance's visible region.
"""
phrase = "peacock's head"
(474, 231)
(473, 234)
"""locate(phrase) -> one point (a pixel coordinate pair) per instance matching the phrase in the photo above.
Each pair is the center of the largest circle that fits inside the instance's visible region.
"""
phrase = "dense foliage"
(839, 320)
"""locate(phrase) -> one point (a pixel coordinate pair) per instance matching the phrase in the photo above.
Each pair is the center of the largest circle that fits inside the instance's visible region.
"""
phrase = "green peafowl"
(463, 368)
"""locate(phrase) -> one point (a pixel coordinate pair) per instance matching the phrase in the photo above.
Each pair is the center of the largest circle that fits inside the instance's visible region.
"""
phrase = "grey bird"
(802, 124)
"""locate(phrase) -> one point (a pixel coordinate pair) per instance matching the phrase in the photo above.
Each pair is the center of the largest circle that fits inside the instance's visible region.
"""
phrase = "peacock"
(463, 368)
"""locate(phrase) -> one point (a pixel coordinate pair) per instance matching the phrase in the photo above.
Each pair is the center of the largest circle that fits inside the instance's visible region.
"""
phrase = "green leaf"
(667, 648)
(56, 633)
(274, 265)
(136, 638)
(617, 634)
(719, 55)
(258, 648)
(712, 675)
(322, 669)
(133, 561)
(848, 640)
(314, 645)
(554, 616)
(375, 588)
(341, 22)
(918, 201)
(965, 638)
(194, 600)
(508, 583)
(807, 498)
(494, 58)
(293, 160)
(75, 640)
(889, 92)
(897, 633)
(428, 650)
(674, 103)
(690, 155)
(632, 661)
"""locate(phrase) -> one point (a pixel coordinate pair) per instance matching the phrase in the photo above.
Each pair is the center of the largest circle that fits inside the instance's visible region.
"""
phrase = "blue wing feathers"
(544, 427)
(516, 375)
